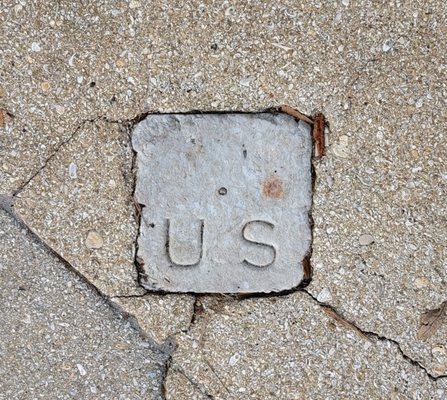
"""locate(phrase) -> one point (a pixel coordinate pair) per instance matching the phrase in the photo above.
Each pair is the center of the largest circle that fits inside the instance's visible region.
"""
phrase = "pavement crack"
(138, 208)
(130, 296)
(125, 123)
(168, 349)
(193, 382)
(222, 383)
(51, 156)
(337, 316)
(197, 310)
(7, 203)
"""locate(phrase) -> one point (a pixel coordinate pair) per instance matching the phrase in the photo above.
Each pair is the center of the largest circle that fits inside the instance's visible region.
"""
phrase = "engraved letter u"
(172, 257)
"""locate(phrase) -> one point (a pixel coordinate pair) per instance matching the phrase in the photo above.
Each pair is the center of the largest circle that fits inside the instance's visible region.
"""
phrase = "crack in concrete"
(130, 296)
(128, 125)
(196, 385)
(165, 350)
(369, 334)
(334, 313)
(330, 311)
(195, 311)
(222, 383)
(7, 203)
(51, 156)
(168, 349)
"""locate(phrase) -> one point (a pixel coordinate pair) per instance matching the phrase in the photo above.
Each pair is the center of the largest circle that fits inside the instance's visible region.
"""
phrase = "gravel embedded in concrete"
(89, 220)
(58, 338)
(377, 73)
(159, 316)
(289, 348)
(393, 187)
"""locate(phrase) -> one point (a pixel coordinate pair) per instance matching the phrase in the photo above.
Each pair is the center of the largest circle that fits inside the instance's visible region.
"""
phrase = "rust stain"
(2, 118)
(273, 188)
(318, 123)
(318, 134)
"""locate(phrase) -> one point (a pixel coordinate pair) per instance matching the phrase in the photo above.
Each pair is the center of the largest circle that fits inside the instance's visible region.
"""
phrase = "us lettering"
(190, 250)
(226, 201)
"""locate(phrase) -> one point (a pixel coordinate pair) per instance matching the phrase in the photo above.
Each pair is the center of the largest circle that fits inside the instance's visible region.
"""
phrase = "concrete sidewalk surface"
(77, 319)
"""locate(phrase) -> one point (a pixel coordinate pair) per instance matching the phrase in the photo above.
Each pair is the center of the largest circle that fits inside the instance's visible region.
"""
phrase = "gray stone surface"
(58, 338)
(226, 199)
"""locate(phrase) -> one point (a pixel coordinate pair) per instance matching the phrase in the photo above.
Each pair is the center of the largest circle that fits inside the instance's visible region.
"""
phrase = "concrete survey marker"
(225, 202)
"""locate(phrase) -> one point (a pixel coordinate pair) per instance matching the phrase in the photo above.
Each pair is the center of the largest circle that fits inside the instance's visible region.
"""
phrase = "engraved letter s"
(269, 224)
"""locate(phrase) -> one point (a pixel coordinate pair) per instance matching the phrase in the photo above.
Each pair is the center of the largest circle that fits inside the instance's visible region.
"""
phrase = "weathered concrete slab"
(81, 205)
(375, 72)
(379, 208)
(226, 201)
(58, 338)
(289, 348)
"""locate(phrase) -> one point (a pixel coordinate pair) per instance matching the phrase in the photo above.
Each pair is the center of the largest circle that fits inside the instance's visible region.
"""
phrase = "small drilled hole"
(222, 191)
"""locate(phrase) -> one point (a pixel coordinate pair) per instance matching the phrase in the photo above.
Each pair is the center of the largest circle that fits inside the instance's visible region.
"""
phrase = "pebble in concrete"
(366, 240)
(94, 240)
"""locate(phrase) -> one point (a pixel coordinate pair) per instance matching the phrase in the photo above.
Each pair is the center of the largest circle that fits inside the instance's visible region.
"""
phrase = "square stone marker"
(226, 200)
